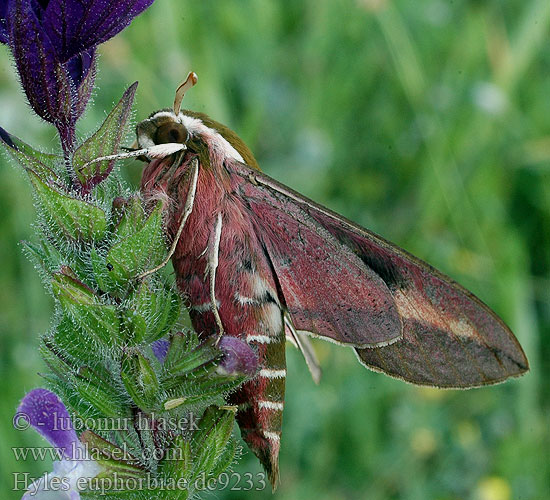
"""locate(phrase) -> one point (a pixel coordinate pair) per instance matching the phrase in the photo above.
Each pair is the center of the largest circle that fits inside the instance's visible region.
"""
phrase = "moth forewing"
(450, 338)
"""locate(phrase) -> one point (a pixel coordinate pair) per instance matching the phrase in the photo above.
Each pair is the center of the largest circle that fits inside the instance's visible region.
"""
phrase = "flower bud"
(238, 357)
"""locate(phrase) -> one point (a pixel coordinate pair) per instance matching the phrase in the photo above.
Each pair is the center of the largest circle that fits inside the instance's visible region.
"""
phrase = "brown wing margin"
(450, 338)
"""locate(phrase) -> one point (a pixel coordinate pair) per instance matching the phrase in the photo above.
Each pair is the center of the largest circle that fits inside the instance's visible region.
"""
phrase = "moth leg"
(213, 260)
(188, 208)
(302, 343)
(158, 151)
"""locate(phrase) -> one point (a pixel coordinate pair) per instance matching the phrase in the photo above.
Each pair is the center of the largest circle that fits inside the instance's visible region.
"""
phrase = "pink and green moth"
(258, 261)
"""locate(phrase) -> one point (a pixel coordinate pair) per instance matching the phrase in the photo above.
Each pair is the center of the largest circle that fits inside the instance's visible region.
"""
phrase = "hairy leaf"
(75, 219)
(138, 252)
(104, 142)
(98, 320)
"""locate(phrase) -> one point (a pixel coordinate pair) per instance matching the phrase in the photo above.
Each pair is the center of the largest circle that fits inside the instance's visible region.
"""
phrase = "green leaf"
(45, 257)
(180, 344)
(209, 441)
(44, 164)
(140, 379)
(147, 376)
(204, 354)
(104, 142)
(226, 458)
(110, 451)
(116, 463)
(134, 326)
(98, 320)
(74, 219)
(199, 391)
(53, 357)
(37, 256)
(68, 289)
(178, 461)
(71, 339)
(80, 407)
(102, 398)
(160, 310)
(137, 253)
(131, 219)
(100, 269)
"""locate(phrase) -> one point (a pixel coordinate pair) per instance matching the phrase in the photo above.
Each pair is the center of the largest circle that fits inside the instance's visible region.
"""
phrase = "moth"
(259, 261)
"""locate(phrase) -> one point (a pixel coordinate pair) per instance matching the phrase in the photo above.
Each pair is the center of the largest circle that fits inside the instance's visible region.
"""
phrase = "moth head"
(162, 127)
(197, 131)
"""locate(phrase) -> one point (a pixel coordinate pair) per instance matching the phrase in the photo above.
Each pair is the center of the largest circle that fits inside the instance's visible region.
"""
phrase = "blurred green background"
(425, 121)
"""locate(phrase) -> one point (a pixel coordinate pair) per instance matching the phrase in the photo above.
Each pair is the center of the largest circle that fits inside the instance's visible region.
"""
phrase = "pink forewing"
(326, 288)
(450, 338)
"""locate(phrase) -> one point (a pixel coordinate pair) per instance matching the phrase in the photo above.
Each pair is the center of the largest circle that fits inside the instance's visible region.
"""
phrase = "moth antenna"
(189, 82)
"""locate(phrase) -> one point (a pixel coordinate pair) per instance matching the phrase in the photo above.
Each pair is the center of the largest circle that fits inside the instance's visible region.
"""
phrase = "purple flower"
(44, 411)
(160, 349)
(239, 358)
(53, 43)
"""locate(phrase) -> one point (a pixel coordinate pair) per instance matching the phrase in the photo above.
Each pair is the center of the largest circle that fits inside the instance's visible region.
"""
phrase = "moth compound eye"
(171, 132)
(145, 132)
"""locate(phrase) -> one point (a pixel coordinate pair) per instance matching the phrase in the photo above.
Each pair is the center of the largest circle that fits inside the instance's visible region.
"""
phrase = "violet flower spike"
(53, 43)
(44, 411)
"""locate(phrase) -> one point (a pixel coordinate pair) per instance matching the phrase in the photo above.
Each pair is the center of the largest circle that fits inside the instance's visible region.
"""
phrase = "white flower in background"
(490, 98)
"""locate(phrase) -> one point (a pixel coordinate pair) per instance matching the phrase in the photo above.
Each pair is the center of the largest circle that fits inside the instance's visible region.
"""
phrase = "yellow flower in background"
(424, 442)
(467, 433)
(493, 488)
